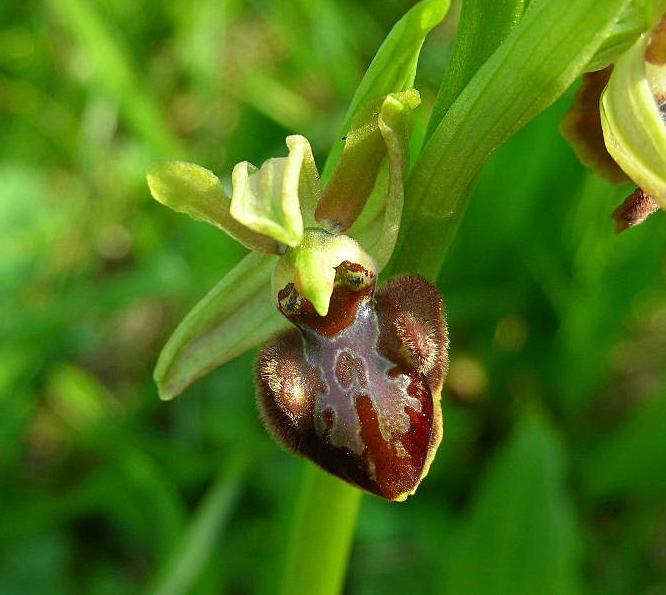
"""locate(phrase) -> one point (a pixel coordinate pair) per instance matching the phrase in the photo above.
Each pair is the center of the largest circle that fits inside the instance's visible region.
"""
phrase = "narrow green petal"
(236, 315)
(356, 173)
(379, 236)
(309, 184)
(633, 126)
(393, 67)
(267, 200)
(191, 189)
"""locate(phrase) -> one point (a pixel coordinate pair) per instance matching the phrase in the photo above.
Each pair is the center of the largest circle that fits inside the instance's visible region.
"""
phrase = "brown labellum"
(358, 391)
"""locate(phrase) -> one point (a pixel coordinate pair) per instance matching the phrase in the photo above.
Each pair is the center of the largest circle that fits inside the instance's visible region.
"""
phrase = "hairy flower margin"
(617, 125)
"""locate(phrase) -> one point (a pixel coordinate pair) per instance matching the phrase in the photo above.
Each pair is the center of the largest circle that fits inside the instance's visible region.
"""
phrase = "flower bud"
(632, 115)
(617, 125)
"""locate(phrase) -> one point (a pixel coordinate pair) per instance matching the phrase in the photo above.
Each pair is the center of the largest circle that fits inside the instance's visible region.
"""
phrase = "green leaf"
(267, 200)
(537, 62)
(394, 66)
(236, 315)
(633, 126)
(483, 27)
(191, 189)
(633, 458)
(198, 544)
(637, 17)
(519, 536)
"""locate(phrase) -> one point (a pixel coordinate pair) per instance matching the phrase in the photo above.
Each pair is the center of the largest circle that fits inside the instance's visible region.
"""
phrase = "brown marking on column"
(353, 285)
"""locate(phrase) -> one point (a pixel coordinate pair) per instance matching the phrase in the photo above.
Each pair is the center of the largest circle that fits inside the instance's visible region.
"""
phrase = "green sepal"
(196, 191)
(634, 130)
(267, 200)
(236, 315)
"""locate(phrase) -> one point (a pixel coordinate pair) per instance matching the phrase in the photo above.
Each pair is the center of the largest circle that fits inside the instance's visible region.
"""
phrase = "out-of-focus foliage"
(555, 406)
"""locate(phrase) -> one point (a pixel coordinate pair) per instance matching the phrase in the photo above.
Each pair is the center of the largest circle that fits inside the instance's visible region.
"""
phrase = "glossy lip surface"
(344, 391)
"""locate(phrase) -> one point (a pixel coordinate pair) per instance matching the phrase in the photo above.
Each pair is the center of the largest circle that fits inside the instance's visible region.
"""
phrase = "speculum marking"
(350, 364)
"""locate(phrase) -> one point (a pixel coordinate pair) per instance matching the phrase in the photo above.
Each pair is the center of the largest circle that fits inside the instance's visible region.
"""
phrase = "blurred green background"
(552, 474)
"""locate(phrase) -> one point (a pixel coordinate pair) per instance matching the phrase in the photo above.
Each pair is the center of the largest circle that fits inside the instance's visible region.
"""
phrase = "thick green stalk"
(321, 535)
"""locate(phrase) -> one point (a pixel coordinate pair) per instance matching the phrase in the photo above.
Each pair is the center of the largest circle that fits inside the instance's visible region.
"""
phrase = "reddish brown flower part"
(358, 391)
(636, 208)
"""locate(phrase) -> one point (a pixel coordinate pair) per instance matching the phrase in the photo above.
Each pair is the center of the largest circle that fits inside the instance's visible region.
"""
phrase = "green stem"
(321, 535)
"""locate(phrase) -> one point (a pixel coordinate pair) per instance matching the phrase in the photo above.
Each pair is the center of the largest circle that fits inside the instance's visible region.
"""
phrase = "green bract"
(541, 57)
